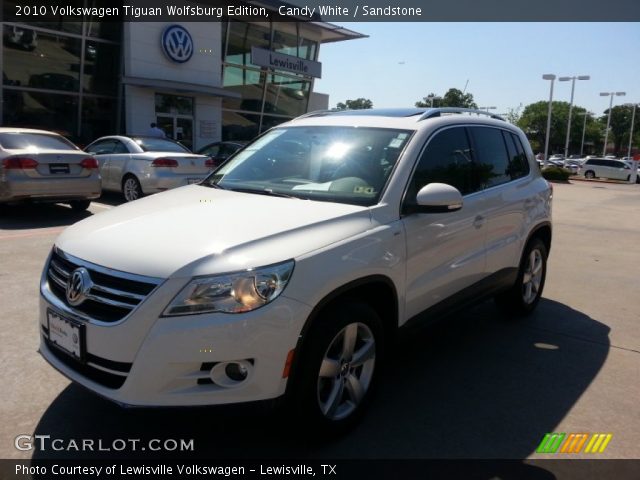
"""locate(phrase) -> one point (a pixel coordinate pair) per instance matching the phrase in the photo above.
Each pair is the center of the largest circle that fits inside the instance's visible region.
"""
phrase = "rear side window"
(104, 147)
(518, 164)
(34, 141)
(150, 144)
(491, 155)
(120, 147)
(446, 159)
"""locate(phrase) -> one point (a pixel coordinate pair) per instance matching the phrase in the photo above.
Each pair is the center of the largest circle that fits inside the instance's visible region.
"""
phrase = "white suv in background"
(607, 168)
(287, 272)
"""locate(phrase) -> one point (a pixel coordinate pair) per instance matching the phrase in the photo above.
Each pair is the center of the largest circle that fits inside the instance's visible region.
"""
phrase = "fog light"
(231, 374)
(236, 371)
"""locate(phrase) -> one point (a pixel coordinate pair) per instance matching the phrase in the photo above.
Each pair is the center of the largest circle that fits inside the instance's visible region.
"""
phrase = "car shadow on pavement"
(25, 217)
(111, 198)
(476, 386)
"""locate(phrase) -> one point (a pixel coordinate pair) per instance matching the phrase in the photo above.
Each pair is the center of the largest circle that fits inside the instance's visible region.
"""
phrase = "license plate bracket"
(67, 335)
(59, 168)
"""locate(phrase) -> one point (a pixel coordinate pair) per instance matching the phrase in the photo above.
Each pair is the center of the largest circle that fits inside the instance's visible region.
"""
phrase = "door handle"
(478, 221)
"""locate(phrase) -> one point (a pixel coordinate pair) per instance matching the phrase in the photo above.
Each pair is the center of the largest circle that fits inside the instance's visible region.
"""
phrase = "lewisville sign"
(289, 63)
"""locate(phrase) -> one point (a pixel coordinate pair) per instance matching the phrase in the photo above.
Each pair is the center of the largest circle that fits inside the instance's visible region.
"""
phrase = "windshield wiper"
(213, 185)
(266, 191)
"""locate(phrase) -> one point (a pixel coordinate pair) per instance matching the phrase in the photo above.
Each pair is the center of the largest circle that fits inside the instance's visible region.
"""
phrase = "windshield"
(336, 164)
(151, 144)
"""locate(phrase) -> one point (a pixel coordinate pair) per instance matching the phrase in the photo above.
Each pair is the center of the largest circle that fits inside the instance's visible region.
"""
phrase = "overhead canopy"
(181, 87)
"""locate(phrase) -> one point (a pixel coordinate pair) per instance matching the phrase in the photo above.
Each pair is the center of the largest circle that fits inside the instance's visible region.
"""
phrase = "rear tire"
(131, 189)
(523, 297)
(339, 367)
(80, 205)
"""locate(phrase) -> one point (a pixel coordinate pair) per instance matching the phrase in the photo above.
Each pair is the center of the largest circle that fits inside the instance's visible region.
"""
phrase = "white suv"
(607, 168)
(286, 273)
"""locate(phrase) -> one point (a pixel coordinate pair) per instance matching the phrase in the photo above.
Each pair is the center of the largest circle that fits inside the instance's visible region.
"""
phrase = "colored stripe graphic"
(573, 442)
(550, 443)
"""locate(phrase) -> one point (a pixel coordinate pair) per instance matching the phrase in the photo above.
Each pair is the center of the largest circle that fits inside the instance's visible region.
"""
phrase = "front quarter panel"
(378, 251)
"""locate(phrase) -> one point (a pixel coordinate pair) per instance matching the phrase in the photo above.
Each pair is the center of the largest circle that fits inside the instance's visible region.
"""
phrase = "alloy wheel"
(532, 277)
(346, 371)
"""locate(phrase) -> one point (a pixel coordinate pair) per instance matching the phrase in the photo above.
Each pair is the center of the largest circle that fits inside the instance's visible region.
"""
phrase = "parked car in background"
(218, 152)
(606, 168)
(41, 166)
(138, 165)
(22, 38)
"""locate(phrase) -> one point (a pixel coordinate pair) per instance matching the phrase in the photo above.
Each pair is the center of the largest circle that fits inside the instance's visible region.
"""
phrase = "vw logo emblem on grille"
(177, 43)
(78, 286)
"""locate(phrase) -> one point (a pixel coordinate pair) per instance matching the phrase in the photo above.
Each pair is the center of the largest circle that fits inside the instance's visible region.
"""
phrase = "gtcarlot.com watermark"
(46, 443)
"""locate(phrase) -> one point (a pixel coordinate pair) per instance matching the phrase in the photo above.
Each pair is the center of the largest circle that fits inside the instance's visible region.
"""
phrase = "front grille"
(113, 294)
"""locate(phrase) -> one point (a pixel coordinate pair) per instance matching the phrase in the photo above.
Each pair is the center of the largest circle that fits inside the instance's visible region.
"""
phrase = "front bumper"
(148, 360)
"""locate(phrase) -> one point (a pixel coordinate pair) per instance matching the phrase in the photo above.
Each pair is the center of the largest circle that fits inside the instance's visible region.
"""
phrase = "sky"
(503, 63)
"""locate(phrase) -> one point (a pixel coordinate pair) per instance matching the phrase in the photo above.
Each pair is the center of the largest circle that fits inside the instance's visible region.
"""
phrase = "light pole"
(552, 77)
(573, 86)
(634, 170)
(606, 134)
(433, 97)
(584, 128)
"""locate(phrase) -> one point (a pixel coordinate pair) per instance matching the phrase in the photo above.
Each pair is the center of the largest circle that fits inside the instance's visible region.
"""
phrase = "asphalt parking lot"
(475, 386)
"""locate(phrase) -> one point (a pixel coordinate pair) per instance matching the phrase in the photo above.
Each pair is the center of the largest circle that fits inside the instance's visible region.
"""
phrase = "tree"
(513, 115)
(620, 127)
(357, 104)
(533, 122)
(453, 98)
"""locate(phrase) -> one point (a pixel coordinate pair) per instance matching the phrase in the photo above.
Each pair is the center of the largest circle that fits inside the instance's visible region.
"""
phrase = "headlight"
(232, 292)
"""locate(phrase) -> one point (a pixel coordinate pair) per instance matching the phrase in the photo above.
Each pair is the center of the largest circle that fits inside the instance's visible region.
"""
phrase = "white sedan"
(140, 165)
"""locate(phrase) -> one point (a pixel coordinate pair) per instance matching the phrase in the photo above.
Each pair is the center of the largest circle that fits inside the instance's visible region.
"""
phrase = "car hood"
(196, 230)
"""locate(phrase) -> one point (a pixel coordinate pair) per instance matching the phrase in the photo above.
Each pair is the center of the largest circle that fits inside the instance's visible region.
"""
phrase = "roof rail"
(317, 113)
(436, 112)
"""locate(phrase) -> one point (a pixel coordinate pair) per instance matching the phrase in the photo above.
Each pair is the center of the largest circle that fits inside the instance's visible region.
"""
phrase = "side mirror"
(438, 198)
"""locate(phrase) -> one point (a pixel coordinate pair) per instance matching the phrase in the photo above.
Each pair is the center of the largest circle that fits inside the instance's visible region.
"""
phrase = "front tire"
(131, 189)
(523, 297)
(338, 368)
(590, 174)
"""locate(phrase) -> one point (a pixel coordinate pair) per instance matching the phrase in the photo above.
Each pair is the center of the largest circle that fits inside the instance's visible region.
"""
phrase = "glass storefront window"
(101, 67)
(239, 126)
(174, 104)
(40, 60)
(248, 83)
(286, 95)
(98, 118)
(307, 49)
(242, 36)
(56, 112)
(108, 30)
(285, 43)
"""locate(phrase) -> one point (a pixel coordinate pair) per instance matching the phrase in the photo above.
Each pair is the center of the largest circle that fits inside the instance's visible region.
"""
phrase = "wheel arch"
(543, 232)
(377, 291)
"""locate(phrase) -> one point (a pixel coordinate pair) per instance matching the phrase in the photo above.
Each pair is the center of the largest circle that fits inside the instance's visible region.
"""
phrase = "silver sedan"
(141, 165)
(42, 166)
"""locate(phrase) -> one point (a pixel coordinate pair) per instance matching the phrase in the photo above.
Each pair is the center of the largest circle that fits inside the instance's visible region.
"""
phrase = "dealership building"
(199, 81)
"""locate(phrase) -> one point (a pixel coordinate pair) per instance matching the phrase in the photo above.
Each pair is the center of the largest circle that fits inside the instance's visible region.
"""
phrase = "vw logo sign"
(78, 285)
(177, 43)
